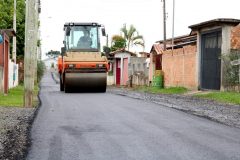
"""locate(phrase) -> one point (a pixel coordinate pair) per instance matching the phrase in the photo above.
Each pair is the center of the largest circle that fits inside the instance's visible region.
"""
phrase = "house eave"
(214, 22)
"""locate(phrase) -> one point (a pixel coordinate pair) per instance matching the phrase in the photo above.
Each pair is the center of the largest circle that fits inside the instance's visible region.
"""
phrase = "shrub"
(40, 70)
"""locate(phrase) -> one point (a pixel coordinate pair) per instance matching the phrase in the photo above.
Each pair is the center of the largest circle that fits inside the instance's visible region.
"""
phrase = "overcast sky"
(145, 15)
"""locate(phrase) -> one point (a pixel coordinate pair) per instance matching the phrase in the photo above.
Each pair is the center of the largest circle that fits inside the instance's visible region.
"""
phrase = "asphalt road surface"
(103, 126)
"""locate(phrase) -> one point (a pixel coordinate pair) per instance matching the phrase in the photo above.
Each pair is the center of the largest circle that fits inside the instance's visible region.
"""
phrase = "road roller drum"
(85, 82)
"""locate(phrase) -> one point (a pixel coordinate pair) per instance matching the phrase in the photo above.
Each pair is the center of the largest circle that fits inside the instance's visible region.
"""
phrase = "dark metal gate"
(210, 60)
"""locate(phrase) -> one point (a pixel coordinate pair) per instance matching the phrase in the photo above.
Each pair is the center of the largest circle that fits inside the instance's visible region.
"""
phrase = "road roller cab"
(82, 66)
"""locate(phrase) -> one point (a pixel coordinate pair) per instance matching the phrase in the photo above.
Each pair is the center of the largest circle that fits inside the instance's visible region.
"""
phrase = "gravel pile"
(15, 124)
(223, 113)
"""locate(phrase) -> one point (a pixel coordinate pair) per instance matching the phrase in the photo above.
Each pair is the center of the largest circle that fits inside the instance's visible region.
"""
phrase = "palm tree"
(132, 36)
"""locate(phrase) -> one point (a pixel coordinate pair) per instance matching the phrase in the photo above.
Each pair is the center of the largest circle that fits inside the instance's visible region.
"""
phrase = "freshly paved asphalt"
(103, 126)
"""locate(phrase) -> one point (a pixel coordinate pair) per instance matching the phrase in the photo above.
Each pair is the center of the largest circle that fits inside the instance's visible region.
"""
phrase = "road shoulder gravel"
(15, 125)
(223, 113)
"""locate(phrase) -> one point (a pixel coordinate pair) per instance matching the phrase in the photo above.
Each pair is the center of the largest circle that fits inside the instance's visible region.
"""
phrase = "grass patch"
(225, 97)
(15, 97)
(170, 90)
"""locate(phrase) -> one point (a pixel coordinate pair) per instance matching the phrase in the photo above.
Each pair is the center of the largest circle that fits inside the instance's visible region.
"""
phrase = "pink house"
(119, 66)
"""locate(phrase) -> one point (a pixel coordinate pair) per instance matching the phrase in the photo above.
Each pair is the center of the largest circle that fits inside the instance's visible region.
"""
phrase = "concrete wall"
(179, 68)
(139, 69)
(110, 80)
(151, 67)
(226, 48)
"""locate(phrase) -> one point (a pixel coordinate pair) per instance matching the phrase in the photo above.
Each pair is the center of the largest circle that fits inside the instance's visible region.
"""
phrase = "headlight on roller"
(71, 66)
(100, 65)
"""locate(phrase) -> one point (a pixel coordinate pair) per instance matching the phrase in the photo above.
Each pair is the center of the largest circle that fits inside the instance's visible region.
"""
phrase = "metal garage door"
(210, 60)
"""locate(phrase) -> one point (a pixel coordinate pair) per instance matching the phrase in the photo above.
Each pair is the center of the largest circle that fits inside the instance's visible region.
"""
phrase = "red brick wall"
(180, 67)
(235, 37)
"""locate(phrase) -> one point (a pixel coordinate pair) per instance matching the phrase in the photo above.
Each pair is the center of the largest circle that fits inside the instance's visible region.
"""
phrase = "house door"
(118, 71)
(158, 62)
(210, 60)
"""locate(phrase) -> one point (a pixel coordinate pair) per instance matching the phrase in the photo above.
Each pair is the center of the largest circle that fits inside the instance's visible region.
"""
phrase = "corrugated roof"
(184, 38)
(9, 32)
(158, 48)
(180, 45)
(179, 41)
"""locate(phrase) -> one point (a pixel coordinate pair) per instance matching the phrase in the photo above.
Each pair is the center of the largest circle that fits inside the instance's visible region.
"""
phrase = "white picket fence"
(12, 74)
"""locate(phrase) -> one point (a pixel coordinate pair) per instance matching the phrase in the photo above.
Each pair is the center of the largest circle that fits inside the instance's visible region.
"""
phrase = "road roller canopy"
(82, 37)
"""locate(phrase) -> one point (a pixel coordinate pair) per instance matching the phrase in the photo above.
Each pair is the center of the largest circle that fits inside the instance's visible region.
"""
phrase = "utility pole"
(164, 25)
(173, 21)
(36, 38)
(29, 55)
(14, 37)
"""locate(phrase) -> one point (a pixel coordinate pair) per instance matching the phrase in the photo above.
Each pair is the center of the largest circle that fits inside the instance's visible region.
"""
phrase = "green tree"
(6, 20)
(53, 53)
(117, 42)
(132, 36)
